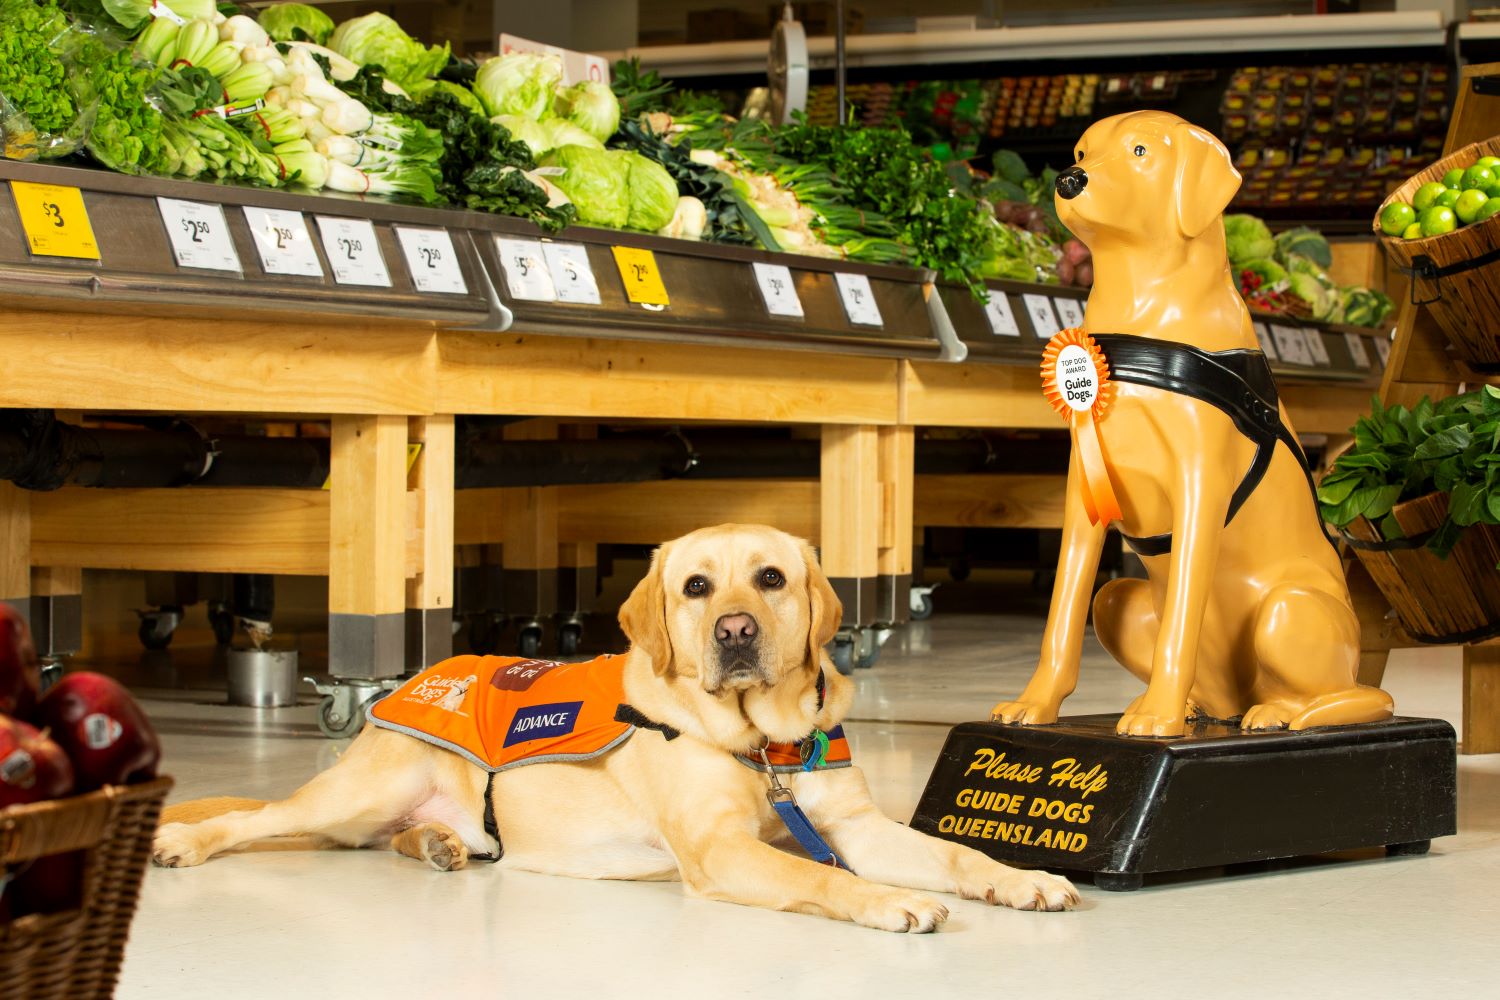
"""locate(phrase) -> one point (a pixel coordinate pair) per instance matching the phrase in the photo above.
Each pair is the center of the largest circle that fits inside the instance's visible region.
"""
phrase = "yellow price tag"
(56, 223)
(413, 449)
(642, 279)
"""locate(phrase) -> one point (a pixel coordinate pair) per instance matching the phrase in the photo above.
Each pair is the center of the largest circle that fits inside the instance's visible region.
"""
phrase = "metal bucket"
(262, 678)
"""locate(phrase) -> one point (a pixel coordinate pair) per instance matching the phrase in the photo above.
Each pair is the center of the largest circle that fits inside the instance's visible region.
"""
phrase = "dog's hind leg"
(435, 843)
(1126, 624)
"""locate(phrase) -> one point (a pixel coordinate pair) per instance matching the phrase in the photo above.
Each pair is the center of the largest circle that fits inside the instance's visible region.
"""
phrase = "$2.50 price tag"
(642, 278)
(1068, 311)
(859, 299)
(56, 223)
(353, 252)
(1043, 319)
(527, 276)
(199, 235)
(1290, 345)
(1315, 347)
(778, 290)
(432, 261)
(1002, 318)
(571, 273)
(284, 244)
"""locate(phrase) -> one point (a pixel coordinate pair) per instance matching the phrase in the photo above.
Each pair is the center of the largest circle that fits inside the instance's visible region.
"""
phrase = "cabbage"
(521, 83)
(427, 88)
(596, 181)
(376, 40)
(1247, 238)
(283, 21)
(653, 193)
(564, 133)
(527, 131)
(592, 106)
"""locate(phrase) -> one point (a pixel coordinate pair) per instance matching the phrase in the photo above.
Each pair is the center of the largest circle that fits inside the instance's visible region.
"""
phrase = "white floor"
(289, 924)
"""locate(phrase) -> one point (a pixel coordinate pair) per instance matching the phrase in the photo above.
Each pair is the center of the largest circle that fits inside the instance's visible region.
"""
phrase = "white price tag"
(571, 273)
(1383, 348)
(527, 276)
(859, 299)
(353, 251)
(778, 290)
(1069, 311)
(432, 261)
(284, 244)
(1043, 319)
(1267, 345)
(1357, 351)
(199, 235)
(1291, 346)
(1002, 318)
(1316, 348)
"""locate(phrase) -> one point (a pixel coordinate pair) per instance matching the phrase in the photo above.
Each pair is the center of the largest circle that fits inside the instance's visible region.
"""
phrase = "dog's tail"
(198, 810)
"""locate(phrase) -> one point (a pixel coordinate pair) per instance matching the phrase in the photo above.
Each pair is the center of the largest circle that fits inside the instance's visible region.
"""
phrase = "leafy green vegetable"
(591, 106)
(558, 132)
(1247, 238)
(127, 131)
(729, 219)
(1307, 243)
(133, 14)
(653, 193)
(521, 83)
(33, 82)
(296, 22)
(376, 40)
(597, 182)
(457, 91)
(638, 92)
(523, 129)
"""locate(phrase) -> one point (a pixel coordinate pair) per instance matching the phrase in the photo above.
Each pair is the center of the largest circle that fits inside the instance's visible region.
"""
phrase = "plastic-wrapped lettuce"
(521, 83)
(590, 105)
(653, 193)
(284, 20)
(377, 40)
(597, 181)
(560, 132)
(527, 131)
(427, 88)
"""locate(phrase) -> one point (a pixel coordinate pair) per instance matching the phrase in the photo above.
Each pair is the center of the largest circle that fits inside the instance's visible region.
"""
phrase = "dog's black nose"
(1071, 182)
(735, 631)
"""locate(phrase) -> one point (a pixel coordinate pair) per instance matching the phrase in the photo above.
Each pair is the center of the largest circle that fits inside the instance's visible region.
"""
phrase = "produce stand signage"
(778, 290)
(1357, 350)
(1383, 348)
(1043, 319)
(1267, 345)
(284, 244)
(859, 299)
(199, 235)
(571, 273)
(1315, 347)
(353, 252)
(638, 270)
(527, 274)
(1290, 345)
(1069, 311)
(432, 261)
(1002, 318)
(576, 66)
(56, 223)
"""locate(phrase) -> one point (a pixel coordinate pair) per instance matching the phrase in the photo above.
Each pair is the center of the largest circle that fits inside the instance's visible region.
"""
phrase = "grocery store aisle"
(292, 923)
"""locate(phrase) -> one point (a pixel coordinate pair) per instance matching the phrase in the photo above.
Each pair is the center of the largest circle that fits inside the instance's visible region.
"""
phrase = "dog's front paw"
(1023, 890)
(1024, 713)
(900, 911)
(177, 846)
(1151, 724)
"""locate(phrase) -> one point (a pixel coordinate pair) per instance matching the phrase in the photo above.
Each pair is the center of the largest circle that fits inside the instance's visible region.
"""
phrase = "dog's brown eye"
(771, 578)
(1140, 151)
(696, 586)
(1080, 156)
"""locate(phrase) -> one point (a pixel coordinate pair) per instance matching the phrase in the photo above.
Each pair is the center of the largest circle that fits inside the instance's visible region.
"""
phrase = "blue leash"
(797, 824)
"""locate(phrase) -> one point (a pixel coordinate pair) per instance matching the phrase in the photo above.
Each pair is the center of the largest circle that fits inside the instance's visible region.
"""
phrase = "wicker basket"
(1438, 600)
(75, 954)
(1449, 273)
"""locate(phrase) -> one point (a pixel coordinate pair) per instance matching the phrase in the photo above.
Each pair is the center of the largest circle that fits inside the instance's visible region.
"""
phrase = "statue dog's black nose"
(1071, 182)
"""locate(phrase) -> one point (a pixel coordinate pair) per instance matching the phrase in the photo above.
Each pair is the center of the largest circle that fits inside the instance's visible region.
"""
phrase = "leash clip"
(777, 792)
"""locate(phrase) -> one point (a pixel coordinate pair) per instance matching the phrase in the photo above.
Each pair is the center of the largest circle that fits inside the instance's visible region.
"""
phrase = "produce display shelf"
(184, 248)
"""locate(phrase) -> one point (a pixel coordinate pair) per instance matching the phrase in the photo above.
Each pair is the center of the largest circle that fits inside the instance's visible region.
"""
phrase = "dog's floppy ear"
(643, 616)
(826, 611)
(1206, 179)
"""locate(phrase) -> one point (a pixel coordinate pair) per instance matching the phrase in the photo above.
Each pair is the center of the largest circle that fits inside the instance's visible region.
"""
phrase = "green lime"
(1454, 178)
(1448, 198)
(1426, 195)
(1493, 162)
(1488, 209)
(1412, 232)
(1468, 205)
(1395, 217)
(1437, 220)
(1479, 177)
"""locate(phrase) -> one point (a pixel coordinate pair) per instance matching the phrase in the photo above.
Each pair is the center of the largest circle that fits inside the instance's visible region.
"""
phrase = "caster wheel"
(156, 628)
(843, 654)
(921, 607)
(1411, 849)
(569, 638)
(334, 727)
(221, 620)
(529, 641)
(484, 633)
(1118, 881)
(868, 658)
(958, 570)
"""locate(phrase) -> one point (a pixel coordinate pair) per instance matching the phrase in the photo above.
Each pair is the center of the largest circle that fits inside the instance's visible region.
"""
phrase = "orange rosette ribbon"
(1075, 380)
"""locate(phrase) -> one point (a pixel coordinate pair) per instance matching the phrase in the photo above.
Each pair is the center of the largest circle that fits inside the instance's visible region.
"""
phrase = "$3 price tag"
(353, 252)
(56, 223)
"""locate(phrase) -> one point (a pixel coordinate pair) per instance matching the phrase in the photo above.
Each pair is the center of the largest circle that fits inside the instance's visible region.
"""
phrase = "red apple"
(102, 728)
(32, 767)
(20, 676)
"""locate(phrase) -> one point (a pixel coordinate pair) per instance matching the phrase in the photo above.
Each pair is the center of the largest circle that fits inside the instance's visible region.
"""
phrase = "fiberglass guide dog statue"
(1246, 613)
(726, 656)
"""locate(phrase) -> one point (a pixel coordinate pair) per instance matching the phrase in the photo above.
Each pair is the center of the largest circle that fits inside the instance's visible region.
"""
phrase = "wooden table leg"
(898, 473)
(429, 594)
(15, 548)
(850, 521)
(1481, 726)
(528, 517)
(57, 610)
(367, 547)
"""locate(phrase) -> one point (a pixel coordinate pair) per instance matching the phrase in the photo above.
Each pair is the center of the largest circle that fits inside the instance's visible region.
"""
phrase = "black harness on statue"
(1237, 382)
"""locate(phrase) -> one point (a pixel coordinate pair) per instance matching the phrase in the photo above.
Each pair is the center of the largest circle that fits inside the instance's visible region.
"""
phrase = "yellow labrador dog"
(727, 633)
